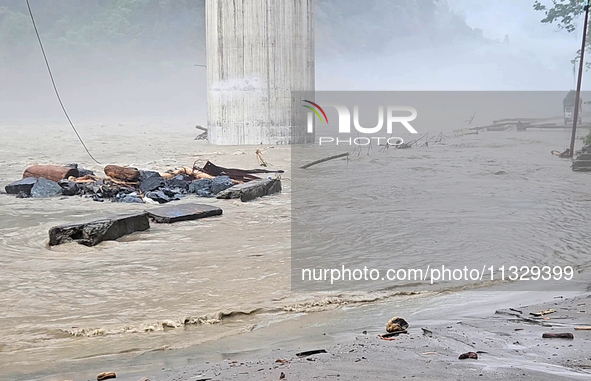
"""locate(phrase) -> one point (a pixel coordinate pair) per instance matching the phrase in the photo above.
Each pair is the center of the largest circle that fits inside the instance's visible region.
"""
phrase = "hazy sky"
(537, 57)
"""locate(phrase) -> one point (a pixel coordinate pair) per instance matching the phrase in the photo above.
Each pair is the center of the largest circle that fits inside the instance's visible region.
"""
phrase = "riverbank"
(509, 344)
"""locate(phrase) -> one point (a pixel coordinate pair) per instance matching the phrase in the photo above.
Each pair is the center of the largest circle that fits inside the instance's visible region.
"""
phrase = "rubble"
(582, 163)
(185, 212)
(131, 185)
(93, 232)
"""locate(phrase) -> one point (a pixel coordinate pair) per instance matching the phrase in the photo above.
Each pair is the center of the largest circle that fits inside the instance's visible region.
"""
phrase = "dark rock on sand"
(94, 232)
(158, 196)
(396, 324)
(186, 212)
(152, 183)
(252, 189)
(45, 188)
(469, 355)
(24, 185)
(131, 199)
(220, 183)
(23, 195)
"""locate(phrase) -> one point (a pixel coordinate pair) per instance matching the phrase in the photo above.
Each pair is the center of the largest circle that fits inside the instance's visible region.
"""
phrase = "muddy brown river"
(496, 195)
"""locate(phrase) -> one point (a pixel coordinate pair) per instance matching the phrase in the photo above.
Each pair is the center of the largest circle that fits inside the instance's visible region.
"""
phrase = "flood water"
(496, 195)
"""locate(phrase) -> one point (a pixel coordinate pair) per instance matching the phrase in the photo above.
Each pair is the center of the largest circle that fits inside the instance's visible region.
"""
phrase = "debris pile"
(131, 185)
(582, 163)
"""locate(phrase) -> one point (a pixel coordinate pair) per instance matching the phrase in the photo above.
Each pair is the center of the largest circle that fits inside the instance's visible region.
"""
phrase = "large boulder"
(24, 185)
(252, 189)
(185, 212)
(45, 188)
(93, 232)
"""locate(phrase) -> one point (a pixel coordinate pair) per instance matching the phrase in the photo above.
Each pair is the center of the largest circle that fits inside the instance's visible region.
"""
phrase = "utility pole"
(578, 96)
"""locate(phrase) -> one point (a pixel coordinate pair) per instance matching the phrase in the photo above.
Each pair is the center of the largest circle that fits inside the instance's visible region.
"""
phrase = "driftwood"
(50, 172)
(323, 160)
(127, 174)
(565, 335)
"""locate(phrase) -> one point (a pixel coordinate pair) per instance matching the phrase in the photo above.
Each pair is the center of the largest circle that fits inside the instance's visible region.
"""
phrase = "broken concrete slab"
(24, 185)
(93, 232)
(185, 212)
(45, 188)
(252, 189)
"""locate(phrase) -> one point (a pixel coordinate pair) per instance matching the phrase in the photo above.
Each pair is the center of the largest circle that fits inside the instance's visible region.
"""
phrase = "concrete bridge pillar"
(258, 52)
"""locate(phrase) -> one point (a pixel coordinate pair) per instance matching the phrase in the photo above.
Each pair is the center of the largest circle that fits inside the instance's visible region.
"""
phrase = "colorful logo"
(315, 111)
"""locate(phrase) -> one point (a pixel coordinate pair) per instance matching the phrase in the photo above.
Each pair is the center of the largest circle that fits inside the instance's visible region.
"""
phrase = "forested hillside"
(174, 29)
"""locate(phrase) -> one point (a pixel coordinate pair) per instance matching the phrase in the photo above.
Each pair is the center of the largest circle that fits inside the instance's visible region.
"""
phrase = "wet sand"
(509, 345)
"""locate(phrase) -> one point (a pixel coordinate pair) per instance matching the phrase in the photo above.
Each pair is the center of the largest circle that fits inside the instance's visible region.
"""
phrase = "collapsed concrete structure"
(258, 52)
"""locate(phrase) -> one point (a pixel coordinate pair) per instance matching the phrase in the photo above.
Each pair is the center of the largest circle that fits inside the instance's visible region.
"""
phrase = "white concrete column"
(258, 52)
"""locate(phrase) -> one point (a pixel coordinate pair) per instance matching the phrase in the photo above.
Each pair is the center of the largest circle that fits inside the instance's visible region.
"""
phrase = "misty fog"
(117, 60)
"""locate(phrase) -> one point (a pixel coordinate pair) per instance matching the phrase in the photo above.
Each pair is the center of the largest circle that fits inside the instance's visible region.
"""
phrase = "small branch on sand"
(323, 160)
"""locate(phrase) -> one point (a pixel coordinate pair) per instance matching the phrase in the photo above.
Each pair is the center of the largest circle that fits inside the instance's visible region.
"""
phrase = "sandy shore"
(509, 344)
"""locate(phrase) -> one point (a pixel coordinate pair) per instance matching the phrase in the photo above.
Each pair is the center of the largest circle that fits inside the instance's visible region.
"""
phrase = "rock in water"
(220, 183)
(69, 188)
(152, 183)
(178, 182)
(202, 187)
(186, 212)
(252, 189)
(45, 188)
(94, 232)
(25, 185)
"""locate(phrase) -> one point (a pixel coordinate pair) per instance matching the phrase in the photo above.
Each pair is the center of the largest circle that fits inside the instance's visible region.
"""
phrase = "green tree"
(565, 14)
